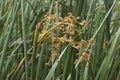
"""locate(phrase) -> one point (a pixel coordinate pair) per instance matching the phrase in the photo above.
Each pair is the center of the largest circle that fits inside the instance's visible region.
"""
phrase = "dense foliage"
(59, 39)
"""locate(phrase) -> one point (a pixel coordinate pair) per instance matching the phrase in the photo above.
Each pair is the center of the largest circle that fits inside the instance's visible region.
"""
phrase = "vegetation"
(59, 40)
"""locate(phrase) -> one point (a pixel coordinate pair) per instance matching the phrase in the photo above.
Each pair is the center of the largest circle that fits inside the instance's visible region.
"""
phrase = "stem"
(24, 38)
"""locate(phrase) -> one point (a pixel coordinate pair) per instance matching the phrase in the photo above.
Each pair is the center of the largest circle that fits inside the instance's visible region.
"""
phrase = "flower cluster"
(63, 31)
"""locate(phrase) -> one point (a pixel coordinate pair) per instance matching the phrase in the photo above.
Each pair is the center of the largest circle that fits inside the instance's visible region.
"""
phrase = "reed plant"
(59, 40)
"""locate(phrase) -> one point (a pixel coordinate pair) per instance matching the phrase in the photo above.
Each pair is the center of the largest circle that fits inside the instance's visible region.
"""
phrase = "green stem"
(24, 38)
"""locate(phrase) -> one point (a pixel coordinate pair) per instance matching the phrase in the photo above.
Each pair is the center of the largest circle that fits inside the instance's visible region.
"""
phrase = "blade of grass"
(33, 72)
(7, 40)
(107, 30)
(24, 41)
(50, 74)
(107, 61)
(41, 62)
(104, 18)
(66, 70)
(5, 72)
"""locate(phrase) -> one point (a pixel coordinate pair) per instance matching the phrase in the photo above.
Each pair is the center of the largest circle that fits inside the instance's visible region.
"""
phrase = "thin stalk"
(79, 7)
(72, 64)
(41, 61)
(104, 19)
(33, 72)
(3, 56)
(107, 63)
(6, 42)
(52, 70)
(57, 11)
(67, 62)
(107, 30)
(9, 61)
(1, 8)
(51, 6)
(24, 38)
